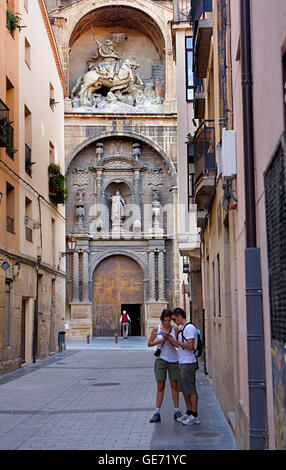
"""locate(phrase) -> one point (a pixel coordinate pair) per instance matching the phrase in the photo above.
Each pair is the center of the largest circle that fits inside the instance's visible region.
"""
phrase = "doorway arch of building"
(117, 285)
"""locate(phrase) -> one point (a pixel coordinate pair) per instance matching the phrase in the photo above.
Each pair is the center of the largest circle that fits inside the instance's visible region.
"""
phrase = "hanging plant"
(13, 21)
(28, 166)
(57, 189)
(53, 102)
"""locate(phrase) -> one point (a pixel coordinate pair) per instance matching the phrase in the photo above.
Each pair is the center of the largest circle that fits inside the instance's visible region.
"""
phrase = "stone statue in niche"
(99, 150)
(106, 69)
(136, 151)
(117, 209)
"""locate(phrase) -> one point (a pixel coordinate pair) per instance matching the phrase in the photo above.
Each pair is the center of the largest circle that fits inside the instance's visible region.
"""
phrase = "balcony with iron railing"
(6, 130)
(181, 9)
(201, 19)
(205, 164)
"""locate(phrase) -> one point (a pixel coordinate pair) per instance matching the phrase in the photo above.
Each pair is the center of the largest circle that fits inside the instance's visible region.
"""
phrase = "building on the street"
(121, 162)
(239, 161)
(32, 234)
(188, 237)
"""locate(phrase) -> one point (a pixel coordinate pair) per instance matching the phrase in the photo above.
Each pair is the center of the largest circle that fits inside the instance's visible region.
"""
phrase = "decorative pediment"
(118, 162)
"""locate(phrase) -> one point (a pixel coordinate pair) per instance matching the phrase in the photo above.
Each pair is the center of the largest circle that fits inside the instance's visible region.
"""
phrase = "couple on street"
(175, 354)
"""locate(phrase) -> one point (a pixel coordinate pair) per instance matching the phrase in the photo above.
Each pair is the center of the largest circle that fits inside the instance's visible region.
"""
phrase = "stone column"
(85, 283)
(161, 275)
(98, 185)
(151, 275)
(75, 277)
(137, 216)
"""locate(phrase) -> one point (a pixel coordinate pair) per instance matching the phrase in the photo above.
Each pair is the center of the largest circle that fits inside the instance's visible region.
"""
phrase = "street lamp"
(71, 242)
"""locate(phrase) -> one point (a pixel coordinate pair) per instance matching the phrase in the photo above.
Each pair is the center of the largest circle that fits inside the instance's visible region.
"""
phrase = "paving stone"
(101, 397)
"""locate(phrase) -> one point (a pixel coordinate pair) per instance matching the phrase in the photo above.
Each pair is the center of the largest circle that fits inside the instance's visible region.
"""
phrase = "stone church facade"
(121, 154)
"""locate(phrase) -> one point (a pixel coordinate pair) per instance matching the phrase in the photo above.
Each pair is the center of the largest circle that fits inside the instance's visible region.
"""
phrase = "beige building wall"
(9, 184)
(33, 294)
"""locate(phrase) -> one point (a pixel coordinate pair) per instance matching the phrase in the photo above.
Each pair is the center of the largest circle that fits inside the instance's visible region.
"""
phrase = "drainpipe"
(254, 312)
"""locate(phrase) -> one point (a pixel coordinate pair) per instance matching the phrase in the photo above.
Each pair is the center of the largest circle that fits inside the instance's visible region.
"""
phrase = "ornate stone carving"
(106, 69)
(80, 177)
(99, 151)
(136, 151)
(156, 212)
(80, 210)
(155, 176)
(118, 164)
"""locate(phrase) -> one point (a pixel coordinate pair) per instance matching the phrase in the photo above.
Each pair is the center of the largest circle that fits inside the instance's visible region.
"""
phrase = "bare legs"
(161, 389)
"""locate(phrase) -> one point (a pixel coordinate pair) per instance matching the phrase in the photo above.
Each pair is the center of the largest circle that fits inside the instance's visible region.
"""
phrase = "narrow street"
(100, 396)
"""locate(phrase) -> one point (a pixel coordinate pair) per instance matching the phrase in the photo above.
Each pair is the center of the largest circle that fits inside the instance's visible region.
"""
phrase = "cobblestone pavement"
(99, 396)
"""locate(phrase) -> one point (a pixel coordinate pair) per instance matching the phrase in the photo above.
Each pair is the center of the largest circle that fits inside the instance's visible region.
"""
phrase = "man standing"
(188, 365)
(124, 321)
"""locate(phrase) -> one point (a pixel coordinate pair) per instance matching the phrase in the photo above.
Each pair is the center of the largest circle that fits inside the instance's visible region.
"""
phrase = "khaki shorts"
(161, 367)
(187, 378)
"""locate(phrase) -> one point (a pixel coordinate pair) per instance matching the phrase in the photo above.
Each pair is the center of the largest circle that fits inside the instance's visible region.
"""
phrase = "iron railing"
(4, 123)
(204, 150)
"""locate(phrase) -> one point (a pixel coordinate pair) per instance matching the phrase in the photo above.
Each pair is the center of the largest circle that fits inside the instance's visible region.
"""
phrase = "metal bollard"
(87, 338)
(116, 338)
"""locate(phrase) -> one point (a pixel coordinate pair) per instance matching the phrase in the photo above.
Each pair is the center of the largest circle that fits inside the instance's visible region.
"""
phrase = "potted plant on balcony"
(57, 189)
(13, 21)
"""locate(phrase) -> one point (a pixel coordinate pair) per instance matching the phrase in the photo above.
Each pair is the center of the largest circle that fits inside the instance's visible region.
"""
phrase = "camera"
(157, 352)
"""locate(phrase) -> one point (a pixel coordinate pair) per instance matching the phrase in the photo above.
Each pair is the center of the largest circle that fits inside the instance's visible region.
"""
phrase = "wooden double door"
(117, 285)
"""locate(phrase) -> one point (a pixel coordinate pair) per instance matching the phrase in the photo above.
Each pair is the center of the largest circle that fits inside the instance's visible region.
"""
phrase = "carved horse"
(122, 81)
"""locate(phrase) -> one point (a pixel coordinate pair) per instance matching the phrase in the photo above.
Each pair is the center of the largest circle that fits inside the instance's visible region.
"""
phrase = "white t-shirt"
(168, 352)
(185, 355)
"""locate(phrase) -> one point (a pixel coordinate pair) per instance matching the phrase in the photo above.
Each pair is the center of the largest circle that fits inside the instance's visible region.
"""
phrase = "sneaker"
(177, 415)
(181, 419)
(191, 420)
(156, 418)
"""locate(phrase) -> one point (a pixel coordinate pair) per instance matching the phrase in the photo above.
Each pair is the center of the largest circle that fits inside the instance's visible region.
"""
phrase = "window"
(189, 69)
(28, 220)
(52, 97)
(27, 53)
(191, 176)
(52, 153)
(28, 141)
(10, 96)
(10, 208)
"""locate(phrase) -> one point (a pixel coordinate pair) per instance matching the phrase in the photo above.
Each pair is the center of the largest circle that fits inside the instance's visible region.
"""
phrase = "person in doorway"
(166, 360)
(188, 365)
(124, 322)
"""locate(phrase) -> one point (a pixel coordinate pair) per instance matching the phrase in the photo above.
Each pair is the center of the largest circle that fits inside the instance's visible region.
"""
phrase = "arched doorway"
(117, 285)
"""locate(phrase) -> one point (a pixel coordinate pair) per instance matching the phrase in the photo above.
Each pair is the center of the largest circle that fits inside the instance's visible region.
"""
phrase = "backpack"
(199, 349)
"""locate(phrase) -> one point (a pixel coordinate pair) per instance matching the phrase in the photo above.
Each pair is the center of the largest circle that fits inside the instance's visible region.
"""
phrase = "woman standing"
(166, 360)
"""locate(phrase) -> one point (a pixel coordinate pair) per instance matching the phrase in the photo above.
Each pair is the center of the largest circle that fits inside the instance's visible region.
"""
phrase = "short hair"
(165, 313)
(179, 311)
